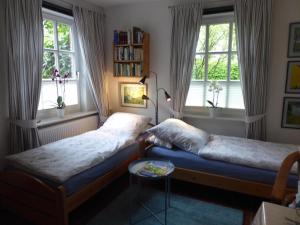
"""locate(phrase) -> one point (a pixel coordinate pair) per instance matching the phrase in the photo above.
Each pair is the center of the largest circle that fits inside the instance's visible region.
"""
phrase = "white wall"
(284, 13)
(155, 18)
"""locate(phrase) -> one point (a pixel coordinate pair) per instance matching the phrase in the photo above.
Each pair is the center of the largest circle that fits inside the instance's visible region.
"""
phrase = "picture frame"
(292, 83)
(131, 94)
(294, 40)
(291, 113)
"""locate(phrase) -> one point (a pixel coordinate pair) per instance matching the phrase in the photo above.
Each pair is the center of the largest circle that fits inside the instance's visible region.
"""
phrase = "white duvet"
(63, 159)
(253, 153)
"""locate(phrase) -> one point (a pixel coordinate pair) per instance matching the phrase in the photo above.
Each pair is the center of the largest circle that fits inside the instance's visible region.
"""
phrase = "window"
(59, 53)
(216, 59)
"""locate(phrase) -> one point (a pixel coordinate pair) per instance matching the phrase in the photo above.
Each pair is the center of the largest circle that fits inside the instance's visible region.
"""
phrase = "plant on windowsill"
(215, 88)
(60, 81)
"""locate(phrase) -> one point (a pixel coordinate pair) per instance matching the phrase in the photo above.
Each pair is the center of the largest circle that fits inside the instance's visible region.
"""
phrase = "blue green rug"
(183, 211)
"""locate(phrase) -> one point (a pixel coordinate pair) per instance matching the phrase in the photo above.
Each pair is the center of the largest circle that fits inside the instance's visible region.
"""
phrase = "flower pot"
(214, 112)
(60, 113)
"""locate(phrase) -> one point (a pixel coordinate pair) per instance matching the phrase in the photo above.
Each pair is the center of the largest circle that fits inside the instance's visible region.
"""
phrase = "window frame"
(69, 20)
(213, 19)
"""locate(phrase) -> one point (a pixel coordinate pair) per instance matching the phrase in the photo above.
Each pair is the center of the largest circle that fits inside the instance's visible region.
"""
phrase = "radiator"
(68, 129)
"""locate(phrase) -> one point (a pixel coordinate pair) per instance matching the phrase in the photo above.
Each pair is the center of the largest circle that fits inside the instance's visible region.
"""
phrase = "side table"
(273, 214)
(152, 169)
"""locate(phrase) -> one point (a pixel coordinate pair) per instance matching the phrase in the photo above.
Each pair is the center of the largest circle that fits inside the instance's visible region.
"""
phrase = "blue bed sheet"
(191, 161)
(82, 179)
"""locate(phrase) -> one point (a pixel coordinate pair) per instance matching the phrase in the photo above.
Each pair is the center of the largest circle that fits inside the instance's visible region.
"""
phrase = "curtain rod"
(57, 8)
(71, 3)
(213, 10)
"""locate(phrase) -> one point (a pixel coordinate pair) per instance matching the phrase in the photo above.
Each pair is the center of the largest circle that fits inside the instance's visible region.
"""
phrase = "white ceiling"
(110, 3)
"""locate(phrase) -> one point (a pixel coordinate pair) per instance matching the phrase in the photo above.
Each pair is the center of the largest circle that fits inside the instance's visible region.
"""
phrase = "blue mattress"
(191, 161)
(80, 180)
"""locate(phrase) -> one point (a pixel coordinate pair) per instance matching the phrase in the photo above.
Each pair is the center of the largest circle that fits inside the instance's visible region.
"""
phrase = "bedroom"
(154, 17)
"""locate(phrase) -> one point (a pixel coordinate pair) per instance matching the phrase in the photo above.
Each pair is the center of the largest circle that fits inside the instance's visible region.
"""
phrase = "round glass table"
(153, 169)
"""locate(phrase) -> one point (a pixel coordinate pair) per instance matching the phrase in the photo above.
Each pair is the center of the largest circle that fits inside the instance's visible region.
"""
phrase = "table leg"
(169, 192)
(166, 199)
(131, 199)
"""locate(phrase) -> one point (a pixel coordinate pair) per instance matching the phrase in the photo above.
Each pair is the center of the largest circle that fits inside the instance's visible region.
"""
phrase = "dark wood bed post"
(33, 199)
(62, 212)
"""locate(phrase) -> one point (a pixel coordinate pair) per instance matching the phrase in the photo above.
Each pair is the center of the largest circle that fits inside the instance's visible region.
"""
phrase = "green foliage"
(60, 102)
(64, 43)
(48, 64)
(64, 40)
(48, 34)
(217, 63)
(198, 69)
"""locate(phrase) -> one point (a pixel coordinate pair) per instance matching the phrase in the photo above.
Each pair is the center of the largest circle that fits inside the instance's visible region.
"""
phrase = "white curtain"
(90, 28)
(253, 20)
(186, 23)
(24, 38)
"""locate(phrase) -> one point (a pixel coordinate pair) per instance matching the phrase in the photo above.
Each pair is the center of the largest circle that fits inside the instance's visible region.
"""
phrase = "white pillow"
(181, 134)
(156, 141)
(128, 123)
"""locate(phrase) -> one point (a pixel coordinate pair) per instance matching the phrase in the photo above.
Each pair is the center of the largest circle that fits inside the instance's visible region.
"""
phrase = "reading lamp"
(145, 97)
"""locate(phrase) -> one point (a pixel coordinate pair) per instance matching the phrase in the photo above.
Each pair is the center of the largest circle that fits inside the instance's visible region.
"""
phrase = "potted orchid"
(215, 88)
(60, 81)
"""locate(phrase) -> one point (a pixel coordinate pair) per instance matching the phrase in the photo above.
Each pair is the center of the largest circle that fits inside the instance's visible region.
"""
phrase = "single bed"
(37, 185)
(228, 176)
(230, 163)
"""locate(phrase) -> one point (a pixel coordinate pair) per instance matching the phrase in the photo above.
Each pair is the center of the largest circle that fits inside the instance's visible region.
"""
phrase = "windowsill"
(56, 120)
(226, 114)
(206, 117)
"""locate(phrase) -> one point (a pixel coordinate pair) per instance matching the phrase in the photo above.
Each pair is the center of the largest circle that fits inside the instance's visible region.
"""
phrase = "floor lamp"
(157, 89)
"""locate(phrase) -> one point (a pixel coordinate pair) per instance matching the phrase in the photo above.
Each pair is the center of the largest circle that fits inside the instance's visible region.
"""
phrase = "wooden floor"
(84, 213)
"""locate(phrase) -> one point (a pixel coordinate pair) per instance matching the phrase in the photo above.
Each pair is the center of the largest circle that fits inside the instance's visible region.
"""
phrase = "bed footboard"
(32, 199)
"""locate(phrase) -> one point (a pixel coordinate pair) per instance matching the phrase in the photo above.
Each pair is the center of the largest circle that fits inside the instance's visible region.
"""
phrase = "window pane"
(64, 36)
(195, 94)
(234, 71)
(217, 66)
(199, 68)
(221, 98)
(201, 40)
(71, 94)
(48, 95)
(234, 42)
(48, 34)
(48, 64)
(235, 96)
(218, 37)
(65, 63)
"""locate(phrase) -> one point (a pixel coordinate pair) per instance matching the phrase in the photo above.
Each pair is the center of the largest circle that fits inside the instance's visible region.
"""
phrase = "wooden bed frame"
(41, 204)
(227, 183)
(252, 188)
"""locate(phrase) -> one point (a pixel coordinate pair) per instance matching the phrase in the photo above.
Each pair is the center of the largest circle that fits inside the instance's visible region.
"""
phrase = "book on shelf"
(128, 37)
(122, 69)
(153, 169)
(128, 53)
(137, 34)
(137, 69)
(128, 69)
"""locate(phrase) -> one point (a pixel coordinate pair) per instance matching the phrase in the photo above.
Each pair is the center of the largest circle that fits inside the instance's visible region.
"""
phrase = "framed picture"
(292, 84)
(294, 40)
(131, 95)
(291, 113)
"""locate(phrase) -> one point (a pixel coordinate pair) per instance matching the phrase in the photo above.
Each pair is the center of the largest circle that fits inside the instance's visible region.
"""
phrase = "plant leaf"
(211, 103)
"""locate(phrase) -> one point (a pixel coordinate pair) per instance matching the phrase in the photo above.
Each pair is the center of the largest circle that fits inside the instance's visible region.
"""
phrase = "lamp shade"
(142, 81)
(145, 97)
(168, 97)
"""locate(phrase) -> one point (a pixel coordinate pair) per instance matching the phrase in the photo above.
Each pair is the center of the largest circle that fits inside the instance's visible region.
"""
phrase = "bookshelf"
(131, 53)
